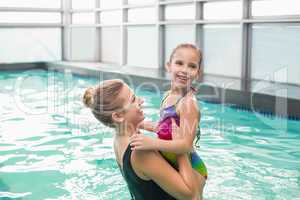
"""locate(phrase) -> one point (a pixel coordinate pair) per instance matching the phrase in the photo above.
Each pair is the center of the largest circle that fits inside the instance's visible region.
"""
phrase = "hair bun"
(88, 97)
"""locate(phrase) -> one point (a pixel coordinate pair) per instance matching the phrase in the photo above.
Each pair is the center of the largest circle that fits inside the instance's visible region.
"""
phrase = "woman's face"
(184, 67)
(132, 112)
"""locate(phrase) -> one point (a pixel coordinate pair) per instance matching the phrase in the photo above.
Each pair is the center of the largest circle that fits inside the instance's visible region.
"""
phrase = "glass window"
(177, 34)
(136, 2)
(223, 10)
(275, 52)
(141, 15)
(83, 18)
(110, 44)
(29, 44)
(83, 49)
(110, 3)
(29, 17)
(111, 17)
(142, 46)
(222, 50)
(275, 7)
(83, 4)
(175, 12)
(31, 3)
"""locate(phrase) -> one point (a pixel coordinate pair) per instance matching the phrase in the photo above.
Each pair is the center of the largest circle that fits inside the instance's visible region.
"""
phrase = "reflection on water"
(51, 147)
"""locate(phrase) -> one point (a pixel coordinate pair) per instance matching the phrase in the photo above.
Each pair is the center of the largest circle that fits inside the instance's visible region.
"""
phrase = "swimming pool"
(51, 147)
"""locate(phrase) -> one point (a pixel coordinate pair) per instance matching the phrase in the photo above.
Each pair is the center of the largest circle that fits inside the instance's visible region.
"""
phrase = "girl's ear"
(117, 117)
(199, 74)
(168, 66)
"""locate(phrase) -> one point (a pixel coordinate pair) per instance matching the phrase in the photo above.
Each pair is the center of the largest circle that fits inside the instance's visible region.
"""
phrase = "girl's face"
(132, 112)
(184, 67)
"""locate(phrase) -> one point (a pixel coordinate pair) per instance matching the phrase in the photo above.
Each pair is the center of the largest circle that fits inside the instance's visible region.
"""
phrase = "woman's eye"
(193, 66)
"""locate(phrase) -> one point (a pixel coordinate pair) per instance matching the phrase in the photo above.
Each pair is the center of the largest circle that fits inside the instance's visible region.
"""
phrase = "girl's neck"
(178, 91)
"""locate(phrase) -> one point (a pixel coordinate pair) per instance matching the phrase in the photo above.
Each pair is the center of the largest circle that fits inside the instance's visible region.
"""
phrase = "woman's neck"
(126, 130)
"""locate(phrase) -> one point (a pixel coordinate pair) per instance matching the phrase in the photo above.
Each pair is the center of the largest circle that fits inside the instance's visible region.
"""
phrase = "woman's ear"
(117, 117)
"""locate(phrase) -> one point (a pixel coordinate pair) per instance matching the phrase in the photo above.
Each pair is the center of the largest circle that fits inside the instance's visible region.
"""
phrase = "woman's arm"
(180, 184)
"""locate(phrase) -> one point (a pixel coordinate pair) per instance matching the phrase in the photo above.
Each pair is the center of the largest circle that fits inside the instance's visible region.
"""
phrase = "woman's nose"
(141, 100)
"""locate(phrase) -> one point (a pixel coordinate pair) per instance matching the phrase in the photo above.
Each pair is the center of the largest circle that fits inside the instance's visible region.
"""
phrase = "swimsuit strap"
(168, 93)
(178, 100)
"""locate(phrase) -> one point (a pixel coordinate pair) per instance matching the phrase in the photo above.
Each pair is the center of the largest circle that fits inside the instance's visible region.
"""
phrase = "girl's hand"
(142, 142)
(175, 131)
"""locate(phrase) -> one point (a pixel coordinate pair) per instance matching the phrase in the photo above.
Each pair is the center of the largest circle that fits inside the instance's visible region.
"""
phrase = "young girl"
(180, 104)
(147, 173)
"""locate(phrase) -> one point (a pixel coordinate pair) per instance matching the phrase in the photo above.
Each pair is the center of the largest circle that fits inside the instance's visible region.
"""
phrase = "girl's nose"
(184, 69)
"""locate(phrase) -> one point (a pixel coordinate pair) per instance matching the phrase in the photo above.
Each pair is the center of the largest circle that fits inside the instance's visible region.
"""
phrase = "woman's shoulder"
(143, 162)
(144, 155)
(146, 158)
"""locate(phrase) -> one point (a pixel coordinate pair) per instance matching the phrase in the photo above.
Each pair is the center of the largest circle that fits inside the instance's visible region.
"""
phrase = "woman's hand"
(142, 142)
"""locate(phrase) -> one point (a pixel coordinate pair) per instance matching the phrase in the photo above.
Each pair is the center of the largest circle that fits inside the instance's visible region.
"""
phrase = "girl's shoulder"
(190, 96)
(189, 103)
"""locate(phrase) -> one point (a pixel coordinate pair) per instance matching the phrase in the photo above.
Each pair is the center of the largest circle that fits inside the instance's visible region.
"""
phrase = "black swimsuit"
(141, 189)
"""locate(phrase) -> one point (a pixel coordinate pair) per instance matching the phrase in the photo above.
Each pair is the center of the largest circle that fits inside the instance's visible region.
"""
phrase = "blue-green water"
(51, 147)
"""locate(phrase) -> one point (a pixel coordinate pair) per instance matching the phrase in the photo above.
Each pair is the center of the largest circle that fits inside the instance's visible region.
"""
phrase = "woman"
(147, 173)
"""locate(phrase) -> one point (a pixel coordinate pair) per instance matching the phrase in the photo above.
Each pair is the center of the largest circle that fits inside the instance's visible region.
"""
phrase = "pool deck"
(265, 97)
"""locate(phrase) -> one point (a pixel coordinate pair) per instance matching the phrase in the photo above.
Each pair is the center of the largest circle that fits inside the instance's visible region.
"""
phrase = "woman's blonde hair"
(103, 100)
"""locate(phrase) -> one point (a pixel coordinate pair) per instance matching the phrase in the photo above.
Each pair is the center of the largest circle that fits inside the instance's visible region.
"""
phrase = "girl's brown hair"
(190, 46)
(102, 100)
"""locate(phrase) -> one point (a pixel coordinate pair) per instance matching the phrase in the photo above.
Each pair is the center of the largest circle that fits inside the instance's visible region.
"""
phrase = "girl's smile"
(184, 67)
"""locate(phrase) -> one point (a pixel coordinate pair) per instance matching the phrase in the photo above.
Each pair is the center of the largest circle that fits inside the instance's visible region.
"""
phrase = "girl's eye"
(178, 63)
(193, 66)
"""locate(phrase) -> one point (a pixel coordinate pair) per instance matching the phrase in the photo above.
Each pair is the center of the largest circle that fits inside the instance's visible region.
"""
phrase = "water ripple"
(54, 148)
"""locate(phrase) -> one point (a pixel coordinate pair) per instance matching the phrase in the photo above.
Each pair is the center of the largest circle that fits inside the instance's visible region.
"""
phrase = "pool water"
(51, 147)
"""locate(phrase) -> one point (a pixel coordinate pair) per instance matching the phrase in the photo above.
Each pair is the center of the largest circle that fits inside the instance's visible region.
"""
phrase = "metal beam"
(17, 9)
(31, 25)
(66, 31)
(176, 2)
(128, 6)
(107, 9)
(208, 1)
(199, 28)
(246, 48)
(124, 39)
(98, 33)
(160, 40)
(274, 20)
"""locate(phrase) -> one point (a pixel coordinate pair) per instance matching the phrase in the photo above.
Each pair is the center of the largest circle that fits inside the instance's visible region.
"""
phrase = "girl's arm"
(189, 119)
(149, 126)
